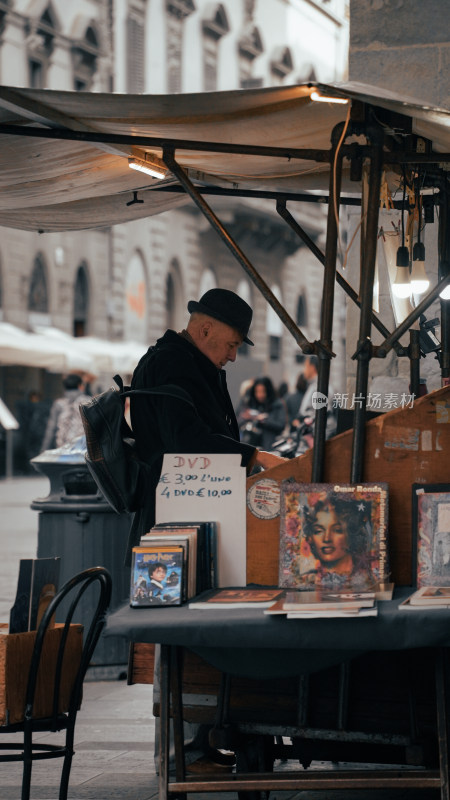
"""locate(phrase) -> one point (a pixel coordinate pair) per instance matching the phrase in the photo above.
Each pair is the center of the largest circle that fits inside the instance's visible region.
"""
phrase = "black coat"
(168, 425)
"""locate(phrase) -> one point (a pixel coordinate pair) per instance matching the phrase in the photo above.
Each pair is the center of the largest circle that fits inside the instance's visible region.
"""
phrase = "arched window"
(135, 44)
(81, 301)
(207, 281)
(136, 300)
(274, 327)
(177, 11)
(1, 293)
(215, 25)
(40, 33)
(249, 47)
(38, 294)
(302, 311)
(281, 63)
(175, 307)
(5, 5)
(85, 53)
(244, 291)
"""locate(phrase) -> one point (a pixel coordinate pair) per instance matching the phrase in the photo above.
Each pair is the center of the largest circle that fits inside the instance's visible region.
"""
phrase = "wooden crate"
(402, 447)
(15, 657)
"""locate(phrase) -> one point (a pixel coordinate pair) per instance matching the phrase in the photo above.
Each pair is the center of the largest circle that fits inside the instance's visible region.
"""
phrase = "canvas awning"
(244, 139)
(20, 348)
(57, 351)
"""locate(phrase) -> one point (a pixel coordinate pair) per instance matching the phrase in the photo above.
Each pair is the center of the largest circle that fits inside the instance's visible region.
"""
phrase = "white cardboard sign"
(210, 487)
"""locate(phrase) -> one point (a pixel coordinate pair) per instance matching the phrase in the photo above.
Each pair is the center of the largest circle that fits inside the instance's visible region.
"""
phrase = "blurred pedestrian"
(64, 423)
(264, 417)
(294, 399)
(307, 410)
(32, 415)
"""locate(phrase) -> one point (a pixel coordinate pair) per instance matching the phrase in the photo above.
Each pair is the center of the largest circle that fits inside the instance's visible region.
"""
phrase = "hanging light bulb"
(402, 286)
(419, 279)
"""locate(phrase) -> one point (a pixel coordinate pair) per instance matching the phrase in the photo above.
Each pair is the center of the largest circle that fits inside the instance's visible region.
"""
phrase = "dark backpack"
(111, 455)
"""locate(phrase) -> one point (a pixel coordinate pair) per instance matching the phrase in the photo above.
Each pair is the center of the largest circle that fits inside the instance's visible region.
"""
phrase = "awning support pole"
(364, 349)
(414, 361)
(302, 341)
(348, 289)
(324, 346)
(444, 272)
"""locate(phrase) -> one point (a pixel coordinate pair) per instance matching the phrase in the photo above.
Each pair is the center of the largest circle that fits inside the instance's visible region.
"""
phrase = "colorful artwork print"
(333, 536)
(157, 576)
(433, 537)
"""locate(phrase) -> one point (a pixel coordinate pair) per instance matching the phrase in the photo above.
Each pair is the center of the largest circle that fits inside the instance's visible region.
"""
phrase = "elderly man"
(193, 360)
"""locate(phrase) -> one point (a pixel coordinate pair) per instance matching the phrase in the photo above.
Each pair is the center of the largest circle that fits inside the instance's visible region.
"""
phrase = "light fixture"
(419, 279)
(147, 167)
(445, 294)
(321, 98)
(401, 286)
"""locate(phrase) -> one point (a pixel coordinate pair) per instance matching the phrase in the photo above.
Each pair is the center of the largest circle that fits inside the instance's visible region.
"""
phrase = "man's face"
(159, 574)
(220, 343)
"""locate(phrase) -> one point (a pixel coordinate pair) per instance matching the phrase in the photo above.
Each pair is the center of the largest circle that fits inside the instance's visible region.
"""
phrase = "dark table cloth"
(249, 642)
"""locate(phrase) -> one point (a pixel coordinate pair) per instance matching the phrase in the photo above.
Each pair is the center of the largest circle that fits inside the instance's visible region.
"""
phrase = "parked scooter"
(298, 441)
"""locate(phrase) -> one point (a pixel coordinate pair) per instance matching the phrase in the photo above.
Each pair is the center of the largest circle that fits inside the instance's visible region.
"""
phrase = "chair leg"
(65, 775)
(67, 765)
(27, 763)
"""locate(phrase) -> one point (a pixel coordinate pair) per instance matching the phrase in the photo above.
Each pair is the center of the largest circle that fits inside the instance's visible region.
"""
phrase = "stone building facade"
(132, 281)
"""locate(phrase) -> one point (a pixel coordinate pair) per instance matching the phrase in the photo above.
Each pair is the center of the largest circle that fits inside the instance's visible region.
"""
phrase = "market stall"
(65, 165)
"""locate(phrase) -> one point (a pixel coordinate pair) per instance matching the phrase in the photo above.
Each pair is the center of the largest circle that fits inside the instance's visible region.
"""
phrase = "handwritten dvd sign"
(210, 487)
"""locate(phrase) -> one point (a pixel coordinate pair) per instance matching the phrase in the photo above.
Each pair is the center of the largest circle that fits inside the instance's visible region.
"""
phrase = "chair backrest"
(73, 591)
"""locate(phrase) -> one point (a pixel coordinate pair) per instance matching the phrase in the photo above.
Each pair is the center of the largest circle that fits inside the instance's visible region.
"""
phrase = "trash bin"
(77, 524)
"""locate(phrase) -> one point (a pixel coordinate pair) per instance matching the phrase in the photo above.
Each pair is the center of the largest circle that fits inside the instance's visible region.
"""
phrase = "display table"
(248, 642)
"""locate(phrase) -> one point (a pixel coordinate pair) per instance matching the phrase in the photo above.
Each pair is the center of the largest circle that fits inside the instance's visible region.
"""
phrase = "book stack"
(316, 603)
(245, 597)
(173, 562)
(37, 585)
(427, 597)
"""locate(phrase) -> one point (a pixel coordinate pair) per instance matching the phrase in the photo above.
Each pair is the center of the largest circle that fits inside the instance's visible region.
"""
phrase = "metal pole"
(444, 272)
(383, 349)
(302, 341)
(364, 349)
(348, 289)
(324, 346)
(414, 361)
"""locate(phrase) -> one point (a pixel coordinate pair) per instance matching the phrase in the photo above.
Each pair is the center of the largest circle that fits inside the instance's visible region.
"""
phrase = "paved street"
(114, 736)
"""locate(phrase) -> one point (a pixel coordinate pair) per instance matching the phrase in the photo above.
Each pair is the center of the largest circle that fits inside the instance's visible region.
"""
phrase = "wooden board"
(15, 657)
(402, 447)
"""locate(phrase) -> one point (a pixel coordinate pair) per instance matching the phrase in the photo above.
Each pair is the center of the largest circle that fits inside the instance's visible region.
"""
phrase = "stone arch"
(38, 296)
(81, 301)
(136, 299)
(175, 307)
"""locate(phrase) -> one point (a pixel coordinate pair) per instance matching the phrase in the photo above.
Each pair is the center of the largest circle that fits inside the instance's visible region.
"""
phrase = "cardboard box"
(15, 656)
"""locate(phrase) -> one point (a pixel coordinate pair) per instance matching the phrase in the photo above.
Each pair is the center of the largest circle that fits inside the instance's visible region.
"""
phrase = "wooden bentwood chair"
(64, 656)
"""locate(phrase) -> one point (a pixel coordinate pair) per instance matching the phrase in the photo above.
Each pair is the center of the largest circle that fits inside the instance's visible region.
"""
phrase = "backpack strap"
(166, 390)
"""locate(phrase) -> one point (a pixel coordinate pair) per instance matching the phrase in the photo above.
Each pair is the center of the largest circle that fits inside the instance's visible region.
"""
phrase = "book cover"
(157, 575)
(330, 613)
(333, 536)
(37, 585)
(203, 577)
(431, 596)
(431, 534)
(188, 540)
(236, 598)
(321, 600)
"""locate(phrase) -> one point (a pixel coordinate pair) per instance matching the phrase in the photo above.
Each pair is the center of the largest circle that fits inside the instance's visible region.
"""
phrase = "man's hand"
(267, 460)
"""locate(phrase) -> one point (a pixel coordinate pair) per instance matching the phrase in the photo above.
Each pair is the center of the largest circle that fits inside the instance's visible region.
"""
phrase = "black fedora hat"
(227, 307)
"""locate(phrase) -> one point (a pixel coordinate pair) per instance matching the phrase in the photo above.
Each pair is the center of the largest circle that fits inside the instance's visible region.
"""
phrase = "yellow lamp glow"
(147, 167)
